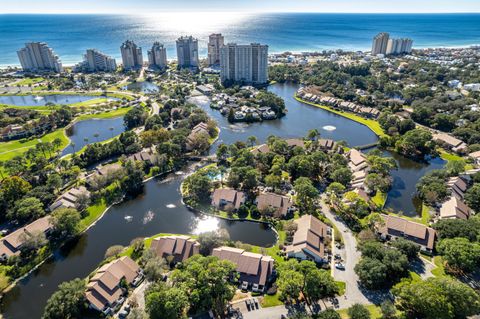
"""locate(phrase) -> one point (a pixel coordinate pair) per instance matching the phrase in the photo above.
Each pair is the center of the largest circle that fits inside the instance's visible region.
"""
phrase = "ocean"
(70, 35)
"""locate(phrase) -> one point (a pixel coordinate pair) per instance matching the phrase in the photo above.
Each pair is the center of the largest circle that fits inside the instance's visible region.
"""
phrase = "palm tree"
(313, 134)
(96, 135)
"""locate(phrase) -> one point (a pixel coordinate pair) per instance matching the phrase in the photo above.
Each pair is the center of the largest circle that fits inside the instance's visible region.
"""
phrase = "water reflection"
(205, 224)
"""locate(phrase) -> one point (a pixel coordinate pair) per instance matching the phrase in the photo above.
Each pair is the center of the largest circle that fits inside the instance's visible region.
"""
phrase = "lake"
(144, 87)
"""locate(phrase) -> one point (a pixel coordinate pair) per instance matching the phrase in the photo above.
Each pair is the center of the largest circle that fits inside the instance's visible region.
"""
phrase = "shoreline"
(365, 49)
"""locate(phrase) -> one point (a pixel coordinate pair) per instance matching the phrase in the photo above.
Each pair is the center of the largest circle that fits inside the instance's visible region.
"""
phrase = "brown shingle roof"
(253, 268)
(310, 235)
(398, 227)
(279, 202)
(229, 196)
(181, 247)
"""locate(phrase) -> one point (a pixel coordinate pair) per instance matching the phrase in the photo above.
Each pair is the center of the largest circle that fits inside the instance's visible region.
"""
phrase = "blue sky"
(152, 6)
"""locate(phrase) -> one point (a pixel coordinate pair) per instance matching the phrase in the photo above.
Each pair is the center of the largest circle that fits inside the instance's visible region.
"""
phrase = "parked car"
(340, 266)
(249, 305)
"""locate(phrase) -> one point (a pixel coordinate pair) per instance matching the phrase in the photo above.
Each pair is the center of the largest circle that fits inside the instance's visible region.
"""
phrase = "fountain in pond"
(329, 128)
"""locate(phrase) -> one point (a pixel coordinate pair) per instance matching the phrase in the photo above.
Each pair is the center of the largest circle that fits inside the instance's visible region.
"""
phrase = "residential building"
(157, 56)
(131, 55)
(71, 198)
(147, 156)
(215, 42)
(395, 227)
(104, 290)
(244, 63)
(327, 144)
(39, 57)
(11, 244)
(475, 156)
(200, 128)
(450, 142)
(399, 46)
(228, 199)
(380, 43)
(278, 205)
(454, 208)
(96, 61)
(187, 52)
(309, 240)
(255, 270)
(178, 247)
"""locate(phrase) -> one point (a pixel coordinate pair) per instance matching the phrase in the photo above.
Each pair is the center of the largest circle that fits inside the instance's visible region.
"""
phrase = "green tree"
(164, 302)
(206, 280)
(460, 253)
(306, 194)
(135, 117)
(342, 175)
(407, 247)
(66, 221)
(358, 311)
(14, 188)
(198, 187)
(28, 208)
(436, 298)
(388, 310)
(328, 314)
(472, 197)
(67, 302)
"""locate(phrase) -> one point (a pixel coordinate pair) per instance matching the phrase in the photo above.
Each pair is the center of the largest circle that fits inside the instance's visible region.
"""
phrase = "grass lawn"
(271, 300)
(424, 219)
(375, 312)
(380, 199)
(94, 212)
(91, 102)
(371, 124)
(8, 150)
(342, 286)
(447, 156)
(104, 115)
(28, 81)
(440, 270)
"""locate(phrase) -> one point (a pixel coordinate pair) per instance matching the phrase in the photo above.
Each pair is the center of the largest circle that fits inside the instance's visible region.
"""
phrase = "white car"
(340, 266)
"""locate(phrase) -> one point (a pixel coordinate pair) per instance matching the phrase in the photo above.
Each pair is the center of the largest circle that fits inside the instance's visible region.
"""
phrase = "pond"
(42, 100)
(86, 132)
(401, 197)
(158, 210)
(299, 120)
(144, 87)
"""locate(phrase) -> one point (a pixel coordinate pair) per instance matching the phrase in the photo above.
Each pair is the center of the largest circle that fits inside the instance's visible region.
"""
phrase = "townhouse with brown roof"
(228, 199)
(476, 157)
(255, 270)
(454, 206)
(396, 227)
(326, 144)
(199, 129)
(309, 240)
(104, 290)
(147, 156)
(357, 162)
(11, 244)
(179, 247)
(70, 198)
(450, 142)
(280, 205)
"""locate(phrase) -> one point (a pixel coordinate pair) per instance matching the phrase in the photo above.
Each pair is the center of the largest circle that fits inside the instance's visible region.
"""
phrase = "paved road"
(351, 255)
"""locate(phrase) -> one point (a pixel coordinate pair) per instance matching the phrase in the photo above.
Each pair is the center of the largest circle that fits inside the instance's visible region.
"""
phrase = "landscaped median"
(371, 124)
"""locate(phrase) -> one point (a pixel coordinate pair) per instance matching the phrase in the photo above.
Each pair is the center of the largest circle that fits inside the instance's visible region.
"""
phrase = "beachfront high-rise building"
(131, 55)
(187, 52)
(157, 56)
(215, 42)
(380, 42)
(96, 61)
(38, 56)
(399, 46)
(244, 63)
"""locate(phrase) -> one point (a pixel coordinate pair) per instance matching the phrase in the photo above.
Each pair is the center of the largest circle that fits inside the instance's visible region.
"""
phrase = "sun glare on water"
(194, 22)
(207, 224)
